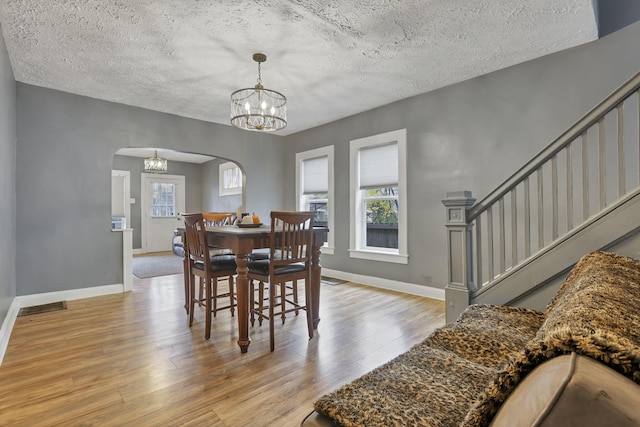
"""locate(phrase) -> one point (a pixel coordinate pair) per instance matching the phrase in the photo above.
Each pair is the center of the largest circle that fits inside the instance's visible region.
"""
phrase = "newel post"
(459, 253)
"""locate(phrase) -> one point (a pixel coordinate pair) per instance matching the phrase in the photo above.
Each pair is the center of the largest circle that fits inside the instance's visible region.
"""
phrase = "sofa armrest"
(571, 390)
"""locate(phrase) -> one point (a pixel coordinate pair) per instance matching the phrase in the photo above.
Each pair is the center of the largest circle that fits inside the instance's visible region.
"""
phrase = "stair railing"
(588, 168)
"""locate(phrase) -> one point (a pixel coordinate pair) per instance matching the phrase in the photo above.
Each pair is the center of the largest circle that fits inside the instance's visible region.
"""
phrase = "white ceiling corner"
(331, 59)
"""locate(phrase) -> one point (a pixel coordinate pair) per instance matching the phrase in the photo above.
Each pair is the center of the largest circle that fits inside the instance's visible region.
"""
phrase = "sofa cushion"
(177, 246)
(522, 321)
(595, 314)
(571, 390)
(440, 377)
(475, 336)
(424, 386)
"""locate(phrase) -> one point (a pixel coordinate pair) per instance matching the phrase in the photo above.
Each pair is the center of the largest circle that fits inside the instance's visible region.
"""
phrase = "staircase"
(580, 194)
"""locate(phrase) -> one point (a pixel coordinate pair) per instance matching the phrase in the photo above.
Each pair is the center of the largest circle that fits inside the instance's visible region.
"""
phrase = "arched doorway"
(154, 197)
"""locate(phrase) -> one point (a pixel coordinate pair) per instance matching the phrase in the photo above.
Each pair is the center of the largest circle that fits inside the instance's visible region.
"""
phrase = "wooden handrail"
(588, 120)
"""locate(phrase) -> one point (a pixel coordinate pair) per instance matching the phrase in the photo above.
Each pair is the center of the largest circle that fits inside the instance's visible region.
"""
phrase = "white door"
(162, 202)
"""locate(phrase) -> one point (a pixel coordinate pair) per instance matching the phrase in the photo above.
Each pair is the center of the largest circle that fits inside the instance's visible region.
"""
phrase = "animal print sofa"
(578, 363)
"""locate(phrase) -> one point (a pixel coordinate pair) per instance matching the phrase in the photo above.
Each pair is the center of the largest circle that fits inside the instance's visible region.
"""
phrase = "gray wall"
(211, 199)
(7, 182)
(63, 180)
(470, 136)
(195, 187)
(614, 15)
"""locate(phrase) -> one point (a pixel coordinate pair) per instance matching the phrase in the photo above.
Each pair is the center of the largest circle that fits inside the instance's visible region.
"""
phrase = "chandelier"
(155, 164)
(257, 108)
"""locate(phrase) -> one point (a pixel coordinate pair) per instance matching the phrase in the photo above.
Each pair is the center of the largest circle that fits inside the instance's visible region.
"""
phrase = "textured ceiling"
(331, 59)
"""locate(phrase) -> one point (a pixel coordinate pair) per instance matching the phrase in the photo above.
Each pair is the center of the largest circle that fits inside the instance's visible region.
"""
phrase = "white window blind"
(315, 174)
(378, 166)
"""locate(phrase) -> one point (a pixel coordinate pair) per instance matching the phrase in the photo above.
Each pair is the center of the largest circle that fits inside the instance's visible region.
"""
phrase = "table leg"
(315, 285)
(242, 294)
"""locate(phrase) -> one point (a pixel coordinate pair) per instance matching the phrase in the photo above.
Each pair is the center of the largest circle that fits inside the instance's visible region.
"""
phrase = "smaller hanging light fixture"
(257, 108)
(155, 164)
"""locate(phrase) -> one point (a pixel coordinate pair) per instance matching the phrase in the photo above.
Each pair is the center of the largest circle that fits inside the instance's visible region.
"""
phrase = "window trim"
(230, 191)
(327, 151)
(356, 247)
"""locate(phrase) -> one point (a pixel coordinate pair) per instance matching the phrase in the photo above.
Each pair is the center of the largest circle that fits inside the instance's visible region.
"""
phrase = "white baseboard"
(392, 285)
(70, 295)
(138, 251)
(46, 298)
(7, 327)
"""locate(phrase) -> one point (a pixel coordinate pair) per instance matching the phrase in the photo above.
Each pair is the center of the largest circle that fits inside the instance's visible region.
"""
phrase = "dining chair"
(217, 218)
(289, 260)
(208, 268)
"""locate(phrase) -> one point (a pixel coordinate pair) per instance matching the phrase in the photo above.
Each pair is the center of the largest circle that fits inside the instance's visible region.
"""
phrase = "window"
(230, 179)
(314, 188)
(381, 210)
(378, 197)
(163, 203)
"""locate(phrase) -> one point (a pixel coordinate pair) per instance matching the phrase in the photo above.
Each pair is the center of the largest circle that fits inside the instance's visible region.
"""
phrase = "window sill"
(326, 250)
(379, 256)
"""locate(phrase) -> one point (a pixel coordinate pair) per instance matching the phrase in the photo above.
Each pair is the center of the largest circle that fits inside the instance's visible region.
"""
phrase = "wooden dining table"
(242, 241)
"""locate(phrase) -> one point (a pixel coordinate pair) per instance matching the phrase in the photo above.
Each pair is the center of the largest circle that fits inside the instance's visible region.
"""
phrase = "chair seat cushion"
(262, 267)
(213, 251)
(219, 262)
(262, 254)
(258, 254)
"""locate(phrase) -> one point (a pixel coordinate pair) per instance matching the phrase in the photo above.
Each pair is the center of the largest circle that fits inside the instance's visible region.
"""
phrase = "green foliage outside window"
(382, 205)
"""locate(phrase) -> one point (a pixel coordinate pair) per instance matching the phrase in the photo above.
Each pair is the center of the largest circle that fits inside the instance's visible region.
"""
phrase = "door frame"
(126, 192)
(145, 179)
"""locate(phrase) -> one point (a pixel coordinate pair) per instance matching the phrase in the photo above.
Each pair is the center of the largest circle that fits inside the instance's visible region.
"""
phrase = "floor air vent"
(44, 308)
(331, 281)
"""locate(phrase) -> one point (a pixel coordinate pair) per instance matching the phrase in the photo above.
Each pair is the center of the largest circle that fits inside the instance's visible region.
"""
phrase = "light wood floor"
(131, 359)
